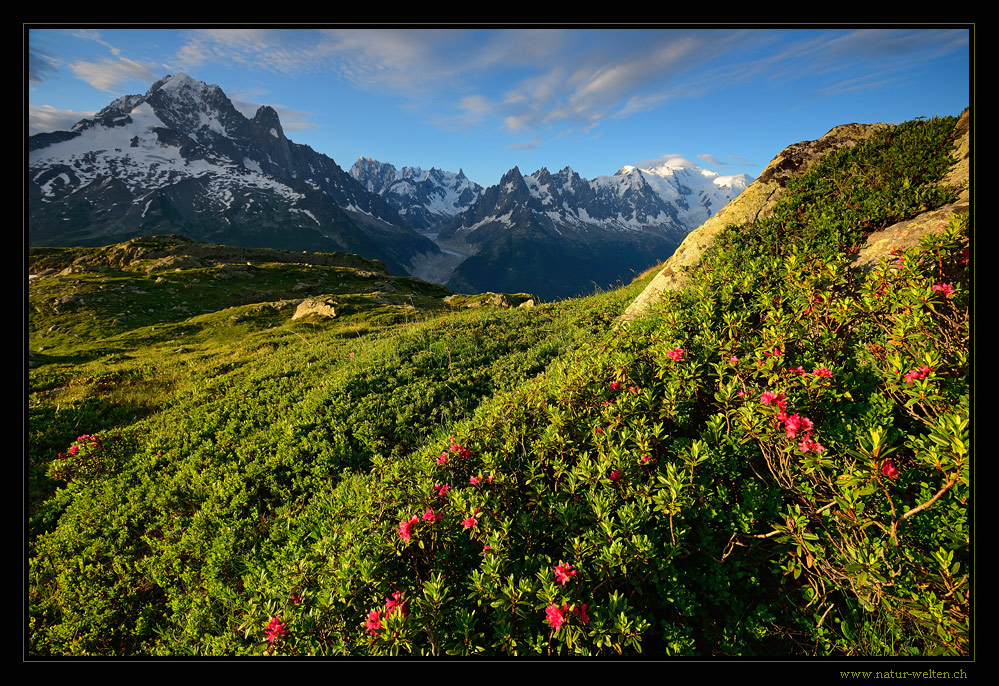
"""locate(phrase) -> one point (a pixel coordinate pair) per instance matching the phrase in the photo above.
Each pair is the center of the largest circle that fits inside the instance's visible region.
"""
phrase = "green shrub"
(775, 461)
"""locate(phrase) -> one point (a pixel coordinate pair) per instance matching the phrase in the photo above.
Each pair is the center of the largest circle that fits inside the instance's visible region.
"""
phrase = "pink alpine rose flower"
(374, 623)
(796, 424)
(808, 444)
(555, 616)
(275, 630)
(406, 528)
(944, 288)
(562, 573)
(396, 603)
(915, 374)
(778, 400)
(889, 469)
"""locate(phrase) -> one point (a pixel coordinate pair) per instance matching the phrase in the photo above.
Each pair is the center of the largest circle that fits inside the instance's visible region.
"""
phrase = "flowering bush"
(693, 461)
(679, 486)
(88, 457)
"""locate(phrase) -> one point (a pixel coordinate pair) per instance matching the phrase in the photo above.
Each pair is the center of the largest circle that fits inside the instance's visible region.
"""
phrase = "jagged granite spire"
(426, 199)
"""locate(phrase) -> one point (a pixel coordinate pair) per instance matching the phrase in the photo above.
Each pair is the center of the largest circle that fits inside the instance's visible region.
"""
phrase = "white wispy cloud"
(96, 36)
(109, 75)
(281, 51)
(552, 81)
(42, 118)
(616, 74)
(729, 161)
(553, 77)
(673, 160)
(866, 82)
(873, 57)
(895, 44)
(711, 160)
(295, 120)
(396, 59)
(532, 144)
(518, 47)
(40, 66)
(476, 105)
(470, 112)
(249, 101)
(403, 60)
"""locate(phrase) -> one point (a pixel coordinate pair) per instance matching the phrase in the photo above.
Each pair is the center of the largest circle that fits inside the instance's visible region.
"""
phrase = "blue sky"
(485, 100)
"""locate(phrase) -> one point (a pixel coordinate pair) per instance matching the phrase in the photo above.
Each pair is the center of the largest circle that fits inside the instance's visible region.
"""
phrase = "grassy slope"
(193, 396)
(260, 479)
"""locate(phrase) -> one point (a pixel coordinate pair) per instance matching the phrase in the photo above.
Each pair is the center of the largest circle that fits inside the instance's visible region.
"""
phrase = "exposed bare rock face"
(906, 234)
(759, 199)
(322, 306)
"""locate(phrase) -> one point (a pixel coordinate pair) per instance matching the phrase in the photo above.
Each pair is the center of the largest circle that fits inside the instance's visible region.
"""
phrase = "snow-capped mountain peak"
(179, 82)
(562, 223)
(426, 198)
(182, 159)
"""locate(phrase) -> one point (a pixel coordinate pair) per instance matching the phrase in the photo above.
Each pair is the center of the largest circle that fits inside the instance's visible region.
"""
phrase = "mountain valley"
(181, 159)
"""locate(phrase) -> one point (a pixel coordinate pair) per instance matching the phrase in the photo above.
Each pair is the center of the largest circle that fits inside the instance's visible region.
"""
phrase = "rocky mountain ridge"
(564, 234)
(426, 199)
(182, 159)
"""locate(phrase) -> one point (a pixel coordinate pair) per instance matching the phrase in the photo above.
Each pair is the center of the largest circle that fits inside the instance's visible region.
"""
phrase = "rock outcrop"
(759, 199)
(906, 234)
(322, 306)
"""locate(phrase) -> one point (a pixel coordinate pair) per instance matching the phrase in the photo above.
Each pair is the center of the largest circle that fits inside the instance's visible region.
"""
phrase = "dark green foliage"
(774, 462)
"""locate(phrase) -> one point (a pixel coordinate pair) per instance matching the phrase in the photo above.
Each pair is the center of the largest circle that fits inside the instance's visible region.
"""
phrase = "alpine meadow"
(761, 447)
